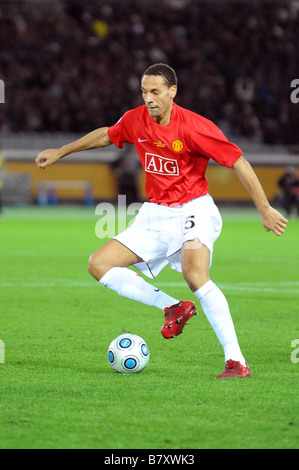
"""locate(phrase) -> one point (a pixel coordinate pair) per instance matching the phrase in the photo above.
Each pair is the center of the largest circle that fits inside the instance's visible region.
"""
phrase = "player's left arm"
(271, 218)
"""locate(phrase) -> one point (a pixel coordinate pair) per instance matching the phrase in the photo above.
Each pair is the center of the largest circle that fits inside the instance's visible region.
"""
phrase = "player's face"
(158, 97)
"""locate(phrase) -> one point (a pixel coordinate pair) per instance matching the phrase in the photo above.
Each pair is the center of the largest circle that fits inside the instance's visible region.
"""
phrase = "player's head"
(165, 71)
(159, 87)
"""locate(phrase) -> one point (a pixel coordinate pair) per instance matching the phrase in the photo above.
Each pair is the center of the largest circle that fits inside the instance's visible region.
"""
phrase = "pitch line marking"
(285, 287)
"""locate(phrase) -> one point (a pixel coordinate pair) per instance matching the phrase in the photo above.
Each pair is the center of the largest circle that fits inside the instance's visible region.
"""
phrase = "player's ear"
(173, 91)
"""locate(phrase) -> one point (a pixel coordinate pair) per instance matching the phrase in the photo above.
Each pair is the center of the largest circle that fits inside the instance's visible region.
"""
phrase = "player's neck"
(164, 118)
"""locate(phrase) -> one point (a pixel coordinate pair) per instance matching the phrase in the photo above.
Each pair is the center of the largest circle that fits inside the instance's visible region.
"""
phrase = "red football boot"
(176, 318)
(234, 369)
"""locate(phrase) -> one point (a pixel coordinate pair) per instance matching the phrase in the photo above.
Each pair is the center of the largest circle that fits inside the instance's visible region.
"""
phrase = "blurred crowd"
(79, 68)
(288, 195)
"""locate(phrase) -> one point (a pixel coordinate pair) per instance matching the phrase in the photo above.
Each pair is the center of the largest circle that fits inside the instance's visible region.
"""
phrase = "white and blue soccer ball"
(128, 353)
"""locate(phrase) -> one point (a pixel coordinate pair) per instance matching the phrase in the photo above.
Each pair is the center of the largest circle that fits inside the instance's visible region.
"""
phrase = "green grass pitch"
(57, 389)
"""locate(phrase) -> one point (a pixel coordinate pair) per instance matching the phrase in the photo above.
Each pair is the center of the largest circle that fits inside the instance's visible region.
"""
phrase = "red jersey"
(174, 157)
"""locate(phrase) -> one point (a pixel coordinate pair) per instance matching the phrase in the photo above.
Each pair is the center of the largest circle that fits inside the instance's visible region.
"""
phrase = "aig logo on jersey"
(161, 165)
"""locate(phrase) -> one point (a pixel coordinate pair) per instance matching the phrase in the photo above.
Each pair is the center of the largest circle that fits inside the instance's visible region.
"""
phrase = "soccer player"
(181, 222)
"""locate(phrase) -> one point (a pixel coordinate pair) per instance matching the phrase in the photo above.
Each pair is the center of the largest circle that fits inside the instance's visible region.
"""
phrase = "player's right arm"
(95, 139)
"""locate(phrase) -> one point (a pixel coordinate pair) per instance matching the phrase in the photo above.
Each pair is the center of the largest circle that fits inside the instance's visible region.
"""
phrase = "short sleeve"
(121, 132)
(209, 140)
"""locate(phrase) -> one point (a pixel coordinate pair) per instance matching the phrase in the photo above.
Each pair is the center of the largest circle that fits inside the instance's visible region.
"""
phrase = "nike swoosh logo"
(140, 140)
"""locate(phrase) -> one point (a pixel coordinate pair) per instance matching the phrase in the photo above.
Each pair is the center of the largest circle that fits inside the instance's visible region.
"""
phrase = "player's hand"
(274, 221)
(48, 157)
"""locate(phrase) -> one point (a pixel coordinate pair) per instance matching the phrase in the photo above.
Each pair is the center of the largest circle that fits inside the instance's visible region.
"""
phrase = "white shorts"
(158, 232)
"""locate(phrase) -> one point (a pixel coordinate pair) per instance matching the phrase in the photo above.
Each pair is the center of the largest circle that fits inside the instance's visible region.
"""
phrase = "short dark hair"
(164, 71)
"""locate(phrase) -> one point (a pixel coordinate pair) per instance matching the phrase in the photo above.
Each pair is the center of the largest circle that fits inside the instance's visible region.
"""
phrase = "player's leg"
(109, 265)
(195, 266)
(110, 255)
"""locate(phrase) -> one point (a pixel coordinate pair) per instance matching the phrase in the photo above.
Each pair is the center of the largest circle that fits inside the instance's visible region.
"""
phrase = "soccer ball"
(128, 353)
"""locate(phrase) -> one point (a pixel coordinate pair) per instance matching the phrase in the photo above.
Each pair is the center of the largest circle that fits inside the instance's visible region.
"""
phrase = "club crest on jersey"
(161, 165)
(177, 145)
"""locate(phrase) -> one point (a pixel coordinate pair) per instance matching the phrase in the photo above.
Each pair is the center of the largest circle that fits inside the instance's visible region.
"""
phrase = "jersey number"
(189, 223)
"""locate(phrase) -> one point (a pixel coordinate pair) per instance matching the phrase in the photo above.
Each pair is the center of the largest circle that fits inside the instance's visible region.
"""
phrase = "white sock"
(129, 284)
(216, 309)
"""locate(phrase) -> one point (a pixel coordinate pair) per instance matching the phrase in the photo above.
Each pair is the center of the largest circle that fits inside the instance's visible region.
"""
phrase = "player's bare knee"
(90, 265)
(195, 264)
(190, 278)
(195, 278)
(95, 267)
